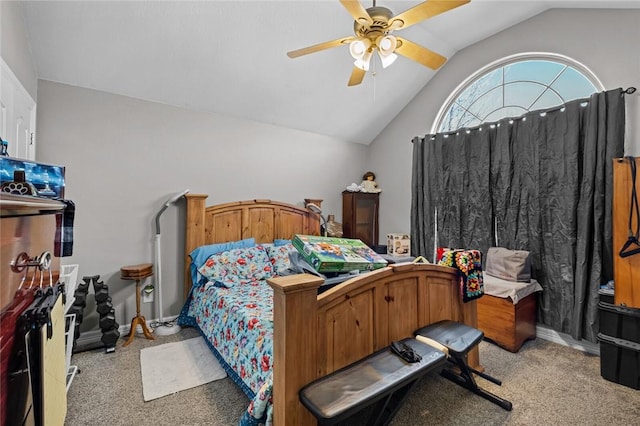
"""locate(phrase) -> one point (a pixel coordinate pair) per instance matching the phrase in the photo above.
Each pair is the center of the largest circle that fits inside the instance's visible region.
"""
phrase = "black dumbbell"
(102, 294)
(83, 286)
(104, 307)
(97, 285)
(80, 298)
(108, 320)
(76, 332)
(78, 310)
(110, 337)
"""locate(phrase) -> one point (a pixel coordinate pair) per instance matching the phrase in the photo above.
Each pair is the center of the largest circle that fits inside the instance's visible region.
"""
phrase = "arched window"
(512, 86)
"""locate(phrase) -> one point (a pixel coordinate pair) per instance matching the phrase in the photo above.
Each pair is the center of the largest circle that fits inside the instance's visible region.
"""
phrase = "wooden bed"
(317, 334)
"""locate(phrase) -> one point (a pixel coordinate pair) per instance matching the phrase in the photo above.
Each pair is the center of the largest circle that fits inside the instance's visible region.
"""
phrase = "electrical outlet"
(147, 293)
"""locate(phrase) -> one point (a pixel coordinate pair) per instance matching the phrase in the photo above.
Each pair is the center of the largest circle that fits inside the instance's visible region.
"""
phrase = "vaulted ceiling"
(229, 57)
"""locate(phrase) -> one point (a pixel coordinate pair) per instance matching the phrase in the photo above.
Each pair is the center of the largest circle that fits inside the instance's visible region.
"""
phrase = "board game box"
(331, 254)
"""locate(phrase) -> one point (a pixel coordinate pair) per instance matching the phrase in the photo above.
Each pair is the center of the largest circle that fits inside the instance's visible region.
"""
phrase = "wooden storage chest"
(506, 324)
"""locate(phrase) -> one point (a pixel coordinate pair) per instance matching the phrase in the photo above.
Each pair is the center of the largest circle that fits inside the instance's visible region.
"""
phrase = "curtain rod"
(628, 91)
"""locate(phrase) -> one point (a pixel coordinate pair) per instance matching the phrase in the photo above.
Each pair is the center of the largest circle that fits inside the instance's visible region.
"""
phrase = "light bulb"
(358, 48)
(386, 45)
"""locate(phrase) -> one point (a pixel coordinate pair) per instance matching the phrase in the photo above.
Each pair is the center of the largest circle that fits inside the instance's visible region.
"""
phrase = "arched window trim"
(518, 57)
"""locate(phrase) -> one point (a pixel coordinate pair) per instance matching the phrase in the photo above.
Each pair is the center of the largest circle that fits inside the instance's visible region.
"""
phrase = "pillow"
(278, 242)
(202, 253)
(510, 265)
(279, 257)
(237, 266)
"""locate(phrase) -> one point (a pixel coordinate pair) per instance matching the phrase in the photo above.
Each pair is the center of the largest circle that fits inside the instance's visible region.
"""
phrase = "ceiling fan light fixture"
(386, 45)
(363, 63)
(372, 29)
(386, 48)
(358, 48)
(361, 51)
(388, 59)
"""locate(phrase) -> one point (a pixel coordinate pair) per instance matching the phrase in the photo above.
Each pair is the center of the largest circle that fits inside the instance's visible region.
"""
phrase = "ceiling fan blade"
(320, 46)
(358, 12)
(422, 55)
(423, 11)
(357, 75)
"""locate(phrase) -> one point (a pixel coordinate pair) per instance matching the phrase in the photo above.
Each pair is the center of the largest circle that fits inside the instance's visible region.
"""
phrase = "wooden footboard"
(315, 335)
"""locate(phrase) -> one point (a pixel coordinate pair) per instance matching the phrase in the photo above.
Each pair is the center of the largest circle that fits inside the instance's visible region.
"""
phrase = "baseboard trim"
(92, 337)
(547, 333)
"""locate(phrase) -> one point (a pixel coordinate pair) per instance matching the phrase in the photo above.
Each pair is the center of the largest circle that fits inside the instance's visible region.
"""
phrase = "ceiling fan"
(373, 27)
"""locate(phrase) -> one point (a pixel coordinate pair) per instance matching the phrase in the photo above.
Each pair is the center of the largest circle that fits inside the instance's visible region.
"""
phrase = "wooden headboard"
(265, 220)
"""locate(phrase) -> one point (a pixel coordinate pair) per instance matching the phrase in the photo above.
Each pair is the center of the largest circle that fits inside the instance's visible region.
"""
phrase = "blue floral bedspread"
(238, 324)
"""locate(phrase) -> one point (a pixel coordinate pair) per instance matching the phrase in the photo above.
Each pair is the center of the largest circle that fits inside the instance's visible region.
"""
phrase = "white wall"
(606, 41)
(14, 45)
(124, 157)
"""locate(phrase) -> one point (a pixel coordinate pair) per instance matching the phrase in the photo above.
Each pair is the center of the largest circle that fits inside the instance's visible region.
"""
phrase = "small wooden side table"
(137, 273)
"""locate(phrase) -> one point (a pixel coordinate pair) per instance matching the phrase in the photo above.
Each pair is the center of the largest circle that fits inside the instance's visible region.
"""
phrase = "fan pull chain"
(373, 76)
(374, 86)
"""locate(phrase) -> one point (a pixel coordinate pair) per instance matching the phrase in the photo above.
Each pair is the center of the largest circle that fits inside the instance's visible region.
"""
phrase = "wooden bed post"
(470, 318)
(194, 235)
(295, 337)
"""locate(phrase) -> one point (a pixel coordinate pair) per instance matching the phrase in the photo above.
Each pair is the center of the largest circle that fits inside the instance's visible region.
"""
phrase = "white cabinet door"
(17, 115)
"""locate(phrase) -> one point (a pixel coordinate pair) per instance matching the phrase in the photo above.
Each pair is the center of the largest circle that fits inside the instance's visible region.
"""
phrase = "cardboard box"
(398, 244)
(331, 254)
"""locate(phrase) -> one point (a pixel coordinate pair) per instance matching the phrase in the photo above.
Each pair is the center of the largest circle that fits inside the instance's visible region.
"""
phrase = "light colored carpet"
(547, 383)
(174, 367)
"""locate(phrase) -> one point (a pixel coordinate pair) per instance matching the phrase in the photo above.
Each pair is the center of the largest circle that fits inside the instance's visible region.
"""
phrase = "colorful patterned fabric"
(202, 253)
(469, 266)
(238, 325)
(279, 257)
(238, 266)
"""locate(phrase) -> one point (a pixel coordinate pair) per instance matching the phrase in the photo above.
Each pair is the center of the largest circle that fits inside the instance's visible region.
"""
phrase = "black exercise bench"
(456, 341)
(384, 379)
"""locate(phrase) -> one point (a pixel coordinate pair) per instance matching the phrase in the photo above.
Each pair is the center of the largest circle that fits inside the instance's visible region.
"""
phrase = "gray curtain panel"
(545, 179)
(454, 175)
(422, 209)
